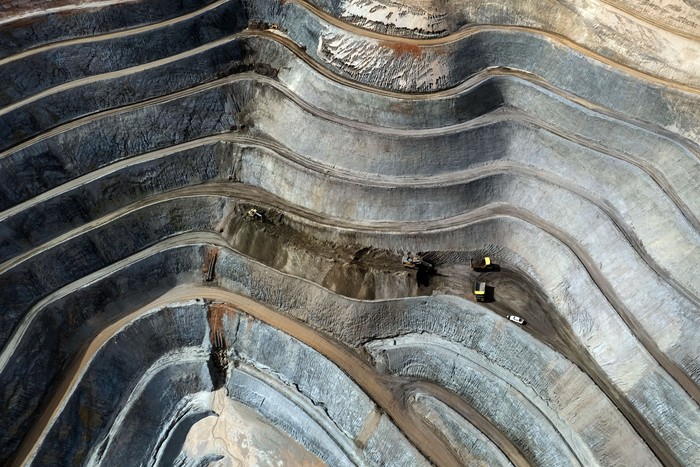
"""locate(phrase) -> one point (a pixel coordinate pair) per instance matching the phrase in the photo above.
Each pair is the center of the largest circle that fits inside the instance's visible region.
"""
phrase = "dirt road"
(643, 73)
(364, 375)
(100, 37)
(476, 215)
(465, 410)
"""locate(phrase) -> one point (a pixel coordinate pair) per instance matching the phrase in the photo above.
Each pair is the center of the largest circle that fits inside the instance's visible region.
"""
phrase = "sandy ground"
(239, 435)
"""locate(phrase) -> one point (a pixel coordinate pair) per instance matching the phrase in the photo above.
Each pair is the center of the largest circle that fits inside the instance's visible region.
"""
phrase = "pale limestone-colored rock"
(238, 435)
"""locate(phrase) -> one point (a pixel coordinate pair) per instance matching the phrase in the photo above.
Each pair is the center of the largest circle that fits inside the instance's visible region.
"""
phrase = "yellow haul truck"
(480, 291)
(482, 264)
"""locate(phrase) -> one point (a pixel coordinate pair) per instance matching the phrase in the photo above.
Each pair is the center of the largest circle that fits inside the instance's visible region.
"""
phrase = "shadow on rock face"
(218, 361)
(217, 374)
(423, 276)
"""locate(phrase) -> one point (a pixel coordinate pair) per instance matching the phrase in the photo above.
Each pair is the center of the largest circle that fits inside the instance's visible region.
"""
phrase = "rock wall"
(149, 317)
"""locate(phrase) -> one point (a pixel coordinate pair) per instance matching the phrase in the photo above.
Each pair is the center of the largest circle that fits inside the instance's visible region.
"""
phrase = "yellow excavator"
(253, 215)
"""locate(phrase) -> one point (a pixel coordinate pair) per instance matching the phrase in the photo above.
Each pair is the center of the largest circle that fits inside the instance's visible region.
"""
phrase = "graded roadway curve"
(377, 387)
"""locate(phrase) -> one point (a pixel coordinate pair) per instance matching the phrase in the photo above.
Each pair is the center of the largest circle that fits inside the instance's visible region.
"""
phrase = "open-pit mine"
(350, 232)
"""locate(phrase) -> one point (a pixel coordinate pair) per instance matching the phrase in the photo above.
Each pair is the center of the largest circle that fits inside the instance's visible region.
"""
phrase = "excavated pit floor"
(297, 38)
(354, 272)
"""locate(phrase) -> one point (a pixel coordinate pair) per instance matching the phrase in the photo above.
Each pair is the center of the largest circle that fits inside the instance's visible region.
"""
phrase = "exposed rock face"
(205, 207)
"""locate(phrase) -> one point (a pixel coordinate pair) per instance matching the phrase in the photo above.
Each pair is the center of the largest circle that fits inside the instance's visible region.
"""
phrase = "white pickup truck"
(516, 319)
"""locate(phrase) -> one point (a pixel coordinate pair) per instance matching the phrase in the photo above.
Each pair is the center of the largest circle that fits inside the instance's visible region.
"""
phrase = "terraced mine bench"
(205, 207)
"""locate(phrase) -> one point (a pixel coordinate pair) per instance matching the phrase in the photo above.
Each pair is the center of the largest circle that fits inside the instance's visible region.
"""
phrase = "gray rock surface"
(149, 317)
